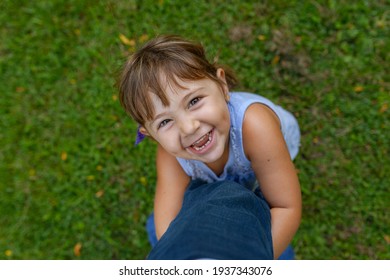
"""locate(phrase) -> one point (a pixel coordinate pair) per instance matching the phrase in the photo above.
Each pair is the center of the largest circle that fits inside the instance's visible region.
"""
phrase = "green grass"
(69, 172)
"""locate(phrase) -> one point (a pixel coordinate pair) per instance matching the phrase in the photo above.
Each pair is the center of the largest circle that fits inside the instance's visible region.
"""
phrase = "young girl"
(206, 132)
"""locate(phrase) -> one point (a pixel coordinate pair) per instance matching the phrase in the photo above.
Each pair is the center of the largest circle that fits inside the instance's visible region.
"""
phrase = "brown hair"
(160, 61)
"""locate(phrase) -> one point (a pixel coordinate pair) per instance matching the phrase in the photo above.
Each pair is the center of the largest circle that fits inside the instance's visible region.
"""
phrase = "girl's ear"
(143, 131)
(221, 76)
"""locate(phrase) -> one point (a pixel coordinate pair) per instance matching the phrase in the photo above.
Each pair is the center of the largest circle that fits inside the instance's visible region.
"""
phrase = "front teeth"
(205, 144)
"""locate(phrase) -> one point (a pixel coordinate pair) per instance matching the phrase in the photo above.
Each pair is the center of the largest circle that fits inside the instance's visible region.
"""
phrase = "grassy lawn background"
(73, 186)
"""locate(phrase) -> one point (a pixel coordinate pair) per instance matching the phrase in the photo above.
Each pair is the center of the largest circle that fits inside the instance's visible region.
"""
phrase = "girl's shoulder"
(261, 126)
(247, 97)
(257, 118)
(240, 102)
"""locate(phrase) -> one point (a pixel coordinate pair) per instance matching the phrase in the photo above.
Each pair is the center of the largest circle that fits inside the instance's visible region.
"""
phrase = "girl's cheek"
(168, 143)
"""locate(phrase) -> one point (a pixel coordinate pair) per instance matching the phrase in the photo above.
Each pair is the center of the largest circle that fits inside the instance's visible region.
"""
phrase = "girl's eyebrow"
(184, 100)
(158, 116)
(190, 93)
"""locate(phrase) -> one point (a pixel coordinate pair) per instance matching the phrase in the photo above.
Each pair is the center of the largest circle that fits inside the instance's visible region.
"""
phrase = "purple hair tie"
(140, 136)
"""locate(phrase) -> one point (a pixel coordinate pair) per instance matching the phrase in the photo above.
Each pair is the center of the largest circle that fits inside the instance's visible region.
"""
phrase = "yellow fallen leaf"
(316, 140)
(275, 60)
(384, 108)
(115, 97)
(358, 89)
(8, 253)
(99, 168)
(380, 24)
(77, 249)
(20, 89)
(90, 178)
(99, 194)
(126, 41)
(143, 180)
(261, 37)
(64, 156)
(144, 38)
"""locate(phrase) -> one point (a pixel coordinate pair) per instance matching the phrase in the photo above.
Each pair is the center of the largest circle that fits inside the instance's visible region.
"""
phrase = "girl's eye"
(163, 123)
(193, 101)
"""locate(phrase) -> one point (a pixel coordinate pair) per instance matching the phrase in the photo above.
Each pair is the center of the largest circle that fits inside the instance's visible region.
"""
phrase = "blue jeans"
(221, 220)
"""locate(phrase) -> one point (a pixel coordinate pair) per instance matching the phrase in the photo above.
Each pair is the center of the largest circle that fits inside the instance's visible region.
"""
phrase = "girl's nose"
(188, 125)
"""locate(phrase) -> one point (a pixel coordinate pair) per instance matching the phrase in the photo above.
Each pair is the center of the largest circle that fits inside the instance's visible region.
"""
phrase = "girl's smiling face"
(196, 123)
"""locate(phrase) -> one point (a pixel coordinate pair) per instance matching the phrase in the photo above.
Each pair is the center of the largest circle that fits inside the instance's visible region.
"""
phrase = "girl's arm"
(172, 182)
(265, 147)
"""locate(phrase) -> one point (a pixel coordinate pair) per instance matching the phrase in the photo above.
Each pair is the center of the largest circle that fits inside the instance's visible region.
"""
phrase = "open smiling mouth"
(203, 142)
